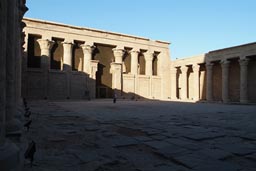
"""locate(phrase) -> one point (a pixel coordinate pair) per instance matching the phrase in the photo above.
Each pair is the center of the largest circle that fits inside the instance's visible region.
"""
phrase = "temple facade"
(68, 62)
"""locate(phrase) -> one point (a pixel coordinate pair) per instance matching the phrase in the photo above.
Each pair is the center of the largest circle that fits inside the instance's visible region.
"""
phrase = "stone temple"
(70, 62)
(43, 60)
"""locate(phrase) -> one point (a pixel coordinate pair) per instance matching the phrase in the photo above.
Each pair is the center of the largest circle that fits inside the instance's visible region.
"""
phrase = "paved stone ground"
(142, 136)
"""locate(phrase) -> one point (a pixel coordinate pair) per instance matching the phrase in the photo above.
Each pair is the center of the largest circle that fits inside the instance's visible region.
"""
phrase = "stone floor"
(142, 136)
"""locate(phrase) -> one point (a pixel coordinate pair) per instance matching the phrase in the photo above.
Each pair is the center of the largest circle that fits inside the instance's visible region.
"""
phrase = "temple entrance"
(104, 54)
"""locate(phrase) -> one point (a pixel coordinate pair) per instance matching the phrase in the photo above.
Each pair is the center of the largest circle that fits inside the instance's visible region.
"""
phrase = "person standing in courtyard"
(114, 97)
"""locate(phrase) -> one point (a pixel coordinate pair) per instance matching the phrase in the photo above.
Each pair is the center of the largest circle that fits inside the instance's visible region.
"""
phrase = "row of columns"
(119, 54)
(225, 66)
(117, 70)
(46, 45)
(184, 82)
(90, 66)
(225, 80)
(11, 26)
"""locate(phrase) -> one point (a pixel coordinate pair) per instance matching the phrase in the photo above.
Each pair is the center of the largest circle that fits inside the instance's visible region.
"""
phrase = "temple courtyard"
(99, 135)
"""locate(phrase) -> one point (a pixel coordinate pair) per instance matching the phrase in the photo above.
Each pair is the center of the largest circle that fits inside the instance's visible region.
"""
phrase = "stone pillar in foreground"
(183, 81)
(225, 80)
(134, 61)
(3, 30)
(13, 125)
(116, 71)
(209, 67)
(196, 69)
(45, 46)
(243, 80)
(10, 13)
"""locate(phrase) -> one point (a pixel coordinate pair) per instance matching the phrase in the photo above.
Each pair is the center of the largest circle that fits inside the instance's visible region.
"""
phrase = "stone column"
(87, 50)
(9, 152)
(196, 69)
(13, 125)
(174, 83)
(19, 55)
(3, 31)
(116, 71)
(67, 56)
(67, 65)
(243, 80)
(149, 62)
(134, 61)
(183, 80)
(45, 46)
(118, 54)
(209, 67)
(94, 69)
(225, 80)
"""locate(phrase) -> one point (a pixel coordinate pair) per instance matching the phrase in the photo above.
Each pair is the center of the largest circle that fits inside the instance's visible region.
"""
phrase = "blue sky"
(192, 26)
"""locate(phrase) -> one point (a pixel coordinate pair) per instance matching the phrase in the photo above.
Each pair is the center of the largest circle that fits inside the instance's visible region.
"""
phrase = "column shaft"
(92, 86)
(12, 124)
(87, 50)
(243, 80)
(183, 80)
(209, 67)
(174, 83)
(67, 56)
(116, 70)
(45, 46)
(225, 80)
(149, 62)
(196, 69)
(134, 62)
(3, 26)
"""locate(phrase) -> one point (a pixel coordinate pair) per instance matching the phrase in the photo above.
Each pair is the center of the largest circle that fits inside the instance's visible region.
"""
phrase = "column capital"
(67, 43)
(243, 61)
(45, 43)
(224, 63)
(118, 52)
(209, 65)
(87, 48)
(184, 68)
(196, 67)
(149, 55)
(134, 51)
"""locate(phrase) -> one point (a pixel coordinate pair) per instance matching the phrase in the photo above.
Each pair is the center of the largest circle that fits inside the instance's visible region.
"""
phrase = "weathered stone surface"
(103, 138)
